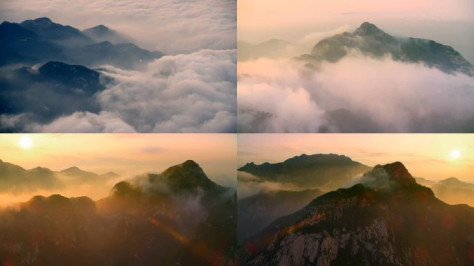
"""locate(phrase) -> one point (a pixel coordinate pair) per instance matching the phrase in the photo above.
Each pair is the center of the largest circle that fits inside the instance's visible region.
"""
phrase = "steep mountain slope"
(20, 45)
(324, 171)
(257, 211)
(387, 220)
(373, 42)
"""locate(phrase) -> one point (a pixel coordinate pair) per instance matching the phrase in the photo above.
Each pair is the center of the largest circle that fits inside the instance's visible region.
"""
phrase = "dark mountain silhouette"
(373, 42)
(133, 226)
(41, 40)
(20, 45)
(324, 171)
(256, 212)
(186, 176)
(53, 90)
(51, 31)
(387, 220)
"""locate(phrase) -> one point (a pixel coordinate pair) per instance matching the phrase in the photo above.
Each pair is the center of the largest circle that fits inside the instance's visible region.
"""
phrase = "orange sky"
(425, 155)
(126, 154)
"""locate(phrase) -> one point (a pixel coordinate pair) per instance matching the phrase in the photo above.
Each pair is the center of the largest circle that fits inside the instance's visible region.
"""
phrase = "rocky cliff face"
(366, 225)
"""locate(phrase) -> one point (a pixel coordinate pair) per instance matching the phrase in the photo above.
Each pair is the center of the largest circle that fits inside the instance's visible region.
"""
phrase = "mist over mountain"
(453, 191)
(388, 219)
(343, 85)
(273, 48)
(40, 40)
(53, 90)
(139, 224)
(323, 171)
(16, 180)
(102, 81)
(102, 33)
(256, 212)
(372, 41)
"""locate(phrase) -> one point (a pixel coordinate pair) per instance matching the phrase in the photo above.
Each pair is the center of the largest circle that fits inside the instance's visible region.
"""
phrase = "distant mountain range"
(273, 48)
(323, 171)
(15, 179)
(451, 190)
(46, 69)
(388, 219)
(146, 222)
(371, 41)
(41, 40)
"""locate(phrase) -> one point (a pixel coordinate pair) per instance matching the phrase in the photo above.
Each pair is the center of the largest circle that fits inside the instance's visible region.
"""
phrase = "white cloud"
(182, 93)
(85, 122)
(381, 96)
(171, 26)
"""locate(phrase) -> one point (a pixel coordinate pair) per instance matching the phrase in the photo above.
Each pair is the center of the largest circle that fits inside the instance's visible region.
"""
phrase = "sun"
(455, 154)
(25, 142)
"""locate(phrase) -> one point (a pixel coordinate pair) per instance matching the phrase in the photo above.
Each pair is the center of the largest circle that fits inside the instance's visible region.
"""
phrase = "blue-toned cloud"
(183, 93)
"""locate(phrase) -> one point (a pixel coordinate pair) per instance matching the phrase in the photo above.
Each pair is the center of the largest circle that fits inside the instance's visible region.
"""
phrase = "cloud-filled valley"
(183, 93)
(357, 94)
(60, 79)
(361, 81)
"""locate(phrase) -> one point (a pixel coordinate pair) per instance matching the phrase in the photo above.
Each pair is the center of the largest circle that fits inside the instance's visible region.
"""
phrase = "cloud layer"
(357, 94)
(183, 93)
(170, 26)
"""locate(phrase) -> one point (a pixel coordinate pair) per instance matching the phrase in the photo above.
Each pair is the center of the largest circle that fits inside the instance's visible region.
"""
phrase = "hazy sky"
(125, 154)
(448, 22)
(424, 155)
(171, 26)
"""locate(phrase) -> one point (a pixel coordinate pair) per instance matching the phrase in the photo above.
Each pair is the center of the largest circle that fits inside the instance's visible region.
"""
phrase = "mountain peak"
(43, 20)
(393, 172)
(99, 29)
(39, 23)
(367, 28)
(190, 164)
(185, 176)
(70, 169)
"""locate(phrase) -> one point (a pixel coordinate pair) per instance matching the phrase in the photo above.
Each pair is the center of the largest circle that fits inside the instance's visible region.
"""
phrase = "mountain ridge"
(373, 42)
(366, 225)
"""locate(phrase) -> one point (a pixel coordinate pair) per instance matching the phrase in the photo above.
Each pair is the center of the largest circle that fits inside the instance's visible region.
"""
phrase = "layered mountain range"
(387, 219)
(451, 190)
(49, 70)
(163, 220)
(42, 40)
(15, 179)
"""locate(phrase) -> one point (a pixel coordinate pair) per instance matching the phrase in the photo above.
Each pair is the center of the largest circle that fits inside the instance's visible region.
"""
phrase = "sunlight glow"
(25, 142)
(455, 154)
